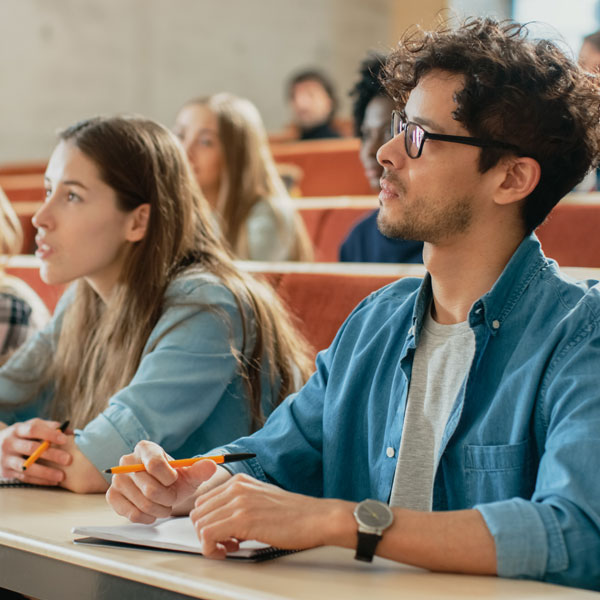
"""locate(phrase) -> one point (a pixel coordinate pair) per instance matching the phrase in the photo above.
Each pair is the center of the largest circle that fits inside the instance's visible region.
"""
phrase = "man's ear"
(521, 175)
(138, 223)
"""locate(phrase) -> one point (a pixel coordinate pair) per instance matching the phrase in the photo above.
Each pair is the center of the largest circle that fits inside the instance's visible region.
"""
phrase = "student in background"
(372, 109)
(226, 144)
(453, 422)
(22, 312)
(313, 102)
(160, 337)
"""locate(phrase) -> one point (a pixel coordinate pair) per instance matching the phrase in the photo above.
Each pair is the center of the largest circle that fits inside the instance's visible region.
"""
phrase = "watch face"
(374, 514)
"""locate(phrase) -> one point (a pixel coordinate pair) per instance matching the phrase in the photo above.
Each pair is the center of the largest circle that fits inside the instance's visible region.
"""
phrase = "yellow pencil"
(41, 449)
(183, 462)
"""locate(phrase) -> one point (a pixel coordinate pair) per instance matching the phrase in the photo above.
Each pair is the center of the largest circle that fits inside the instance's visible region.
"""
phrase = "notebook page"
(169, 534)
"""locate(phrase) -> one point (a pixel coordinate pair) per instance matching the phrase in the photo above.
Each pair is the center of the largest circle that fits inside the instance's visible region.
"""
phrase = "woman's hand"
(20, 440)
(160, 491)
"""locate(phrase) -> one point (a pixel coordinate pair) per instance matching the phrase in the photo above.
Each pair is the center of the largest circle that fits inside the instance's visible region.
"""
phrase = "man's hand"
(20, 440)
(160, 491)
(244, 508)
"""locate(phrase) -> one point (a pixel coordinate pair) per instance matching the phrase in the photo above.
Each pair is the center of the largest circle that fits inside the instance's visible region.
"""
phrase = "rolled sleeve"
(527, 536)
(109, 436)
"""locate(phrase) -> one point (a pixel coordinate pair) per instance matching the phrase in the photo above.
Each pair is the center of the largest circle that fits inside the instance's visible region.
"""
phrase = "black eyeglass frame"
(441, 137)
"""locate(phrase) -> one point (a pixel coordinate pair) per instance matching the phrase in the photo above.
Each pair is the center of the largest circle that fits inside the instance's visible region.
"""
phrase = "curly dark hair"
(367, 87)
(520, 91)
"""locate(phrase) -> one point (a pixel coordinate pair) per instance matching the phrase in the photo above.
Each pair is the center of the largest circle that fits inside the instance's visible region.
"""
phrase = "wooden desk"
(38, 558)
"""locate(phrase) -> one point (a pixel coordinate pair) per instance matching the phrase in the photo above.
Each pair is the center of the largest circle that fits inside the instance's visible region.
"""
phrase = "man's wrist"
(339, 528)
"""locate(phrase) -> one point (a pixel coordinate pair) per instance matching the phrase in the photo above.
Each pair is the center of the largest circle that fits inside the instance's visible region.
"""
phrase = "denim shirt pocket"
(499, 472)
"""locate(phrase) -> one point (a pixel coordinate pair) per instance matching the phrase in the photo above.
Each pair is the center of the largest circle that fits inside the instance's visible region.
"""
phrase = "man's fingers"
(198, 473)
(122, 506)
(231, 489)
(156, 460)
(215, 539)
(147, 503)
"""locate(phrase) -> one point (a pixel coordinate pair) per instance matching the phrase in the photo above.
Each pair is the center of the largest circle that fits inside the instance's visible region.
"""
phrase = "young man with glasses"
(464, 407)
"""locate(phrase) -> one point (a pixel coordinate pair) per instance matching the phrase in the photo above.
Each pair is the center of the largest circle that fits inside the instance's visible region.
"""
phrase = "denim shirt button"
(411, 331)
(390, 452)
(495, 324)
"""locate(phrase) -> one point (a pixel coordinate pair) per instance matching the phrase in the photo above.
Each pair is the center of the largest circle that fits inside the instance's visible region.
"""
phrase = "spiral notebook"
(176, 534)
(14, 483)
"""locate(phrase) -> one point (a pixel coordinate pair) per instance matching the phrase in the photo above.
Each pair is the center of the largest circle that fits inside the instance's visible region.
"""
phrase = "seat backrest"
(571, 235)
(329, 167)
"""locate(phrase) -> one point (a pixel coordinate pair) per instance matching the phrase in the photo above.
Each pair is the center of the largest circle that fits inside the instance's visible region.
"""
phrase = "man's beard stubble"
(424, 220)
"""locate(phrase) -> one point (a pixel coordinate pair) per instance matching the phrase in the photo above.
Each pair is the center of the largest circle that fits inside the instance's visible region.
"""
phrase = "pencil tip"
(107, 471)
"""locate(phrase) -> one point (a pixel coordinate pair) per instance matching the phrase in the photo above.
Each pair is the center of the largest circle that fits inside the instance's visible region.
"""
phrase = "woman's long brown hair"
(250, 175)
(101, 345)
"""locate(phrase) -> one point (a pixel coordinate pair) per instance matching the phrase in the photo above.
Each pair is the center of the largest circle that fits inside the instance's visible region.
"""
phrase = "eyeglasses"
(415, 136)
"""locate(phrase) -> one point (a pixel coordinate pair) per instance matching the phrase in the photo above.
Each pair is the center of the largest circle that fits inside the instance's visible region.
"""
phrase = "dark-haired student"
(161, 337)
(313, 101)
(453, 422)
(372, 109)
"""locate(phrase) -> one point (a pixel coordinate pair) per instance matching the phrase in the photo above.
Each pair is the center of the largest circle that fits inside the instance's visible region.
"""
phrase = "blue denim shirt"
(522, 443)
(187, 393)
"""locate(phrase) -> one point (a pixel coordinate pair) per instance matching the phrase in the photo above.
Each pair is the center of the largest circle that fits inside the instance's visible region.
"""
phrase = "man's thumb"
(200, 472)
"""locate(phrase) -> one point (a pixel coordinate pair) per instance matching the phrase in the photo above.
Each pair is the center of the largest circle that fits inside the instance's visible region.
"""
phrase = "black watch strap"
(367, 542)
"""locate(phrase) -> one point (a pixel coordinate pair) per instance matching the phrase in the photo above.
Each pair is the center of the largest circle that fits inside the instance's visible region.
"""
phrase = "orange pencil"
(182, 462)
(41, 449)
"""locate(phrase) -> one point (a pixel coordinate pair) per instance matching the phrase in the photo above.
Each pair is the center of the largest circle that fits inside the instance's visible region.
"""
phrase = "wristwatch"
(373, 518)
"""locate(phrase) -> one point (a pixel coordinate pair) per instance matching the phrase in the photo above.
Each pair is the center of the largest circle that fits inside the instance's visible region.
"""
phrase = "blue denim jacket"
(522, 443)
(187, 393)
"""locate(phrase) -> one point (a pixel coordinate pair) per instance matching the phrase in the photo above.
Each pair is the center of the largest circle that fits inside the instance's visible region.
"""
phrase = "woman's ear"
(138, 223)
(521, 176)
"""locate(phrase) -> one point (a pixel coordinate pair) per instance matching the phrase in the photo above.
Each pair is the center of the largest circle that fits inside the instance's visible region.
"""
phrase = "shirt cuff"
(527, 535)
(109, 436)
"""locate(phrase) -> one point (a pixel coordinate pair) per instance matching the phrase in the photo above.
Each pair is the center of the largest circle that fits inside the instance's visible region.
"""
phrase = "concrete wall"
(61, 60)
(501, 9)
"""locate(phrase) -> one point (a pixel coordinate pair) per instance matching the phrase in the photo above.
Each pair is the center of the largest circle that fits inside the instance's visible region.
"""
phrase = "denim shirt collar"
(494, 306)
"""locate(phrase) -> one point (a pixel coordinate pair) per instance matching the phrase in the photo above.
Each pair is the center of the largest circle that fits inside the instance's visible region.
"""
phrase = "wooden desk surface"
(36, 525)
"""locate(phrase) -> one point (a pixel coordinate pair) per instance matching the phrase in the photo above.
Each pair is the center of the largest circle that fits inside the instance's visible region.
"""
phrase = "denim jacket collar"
(494, 306)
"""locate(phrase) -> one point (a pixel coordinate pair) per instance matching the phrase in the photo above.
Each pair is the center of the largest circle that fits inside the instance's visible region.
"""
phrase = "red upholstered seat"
(23, 188)
(322, 301)
(329, 167)
(23, 168)
(571, 235)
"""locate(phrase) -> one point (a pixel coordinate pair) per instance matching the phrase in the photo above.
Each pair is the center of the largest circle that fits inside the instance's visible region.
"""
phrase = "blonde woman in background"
(226, 144)
(22, 312)
(161, 337)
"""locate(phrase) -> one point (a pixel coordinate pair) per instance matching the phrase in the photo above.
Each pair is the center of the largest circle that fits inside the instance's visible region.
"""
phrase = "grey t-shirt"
(441, 363)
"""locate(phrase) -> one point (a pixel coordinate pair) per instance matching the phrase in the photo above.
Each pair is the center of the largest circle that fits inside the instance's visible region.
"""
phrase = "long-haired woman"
(22, 312)
(161, 337)
(227, 146)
